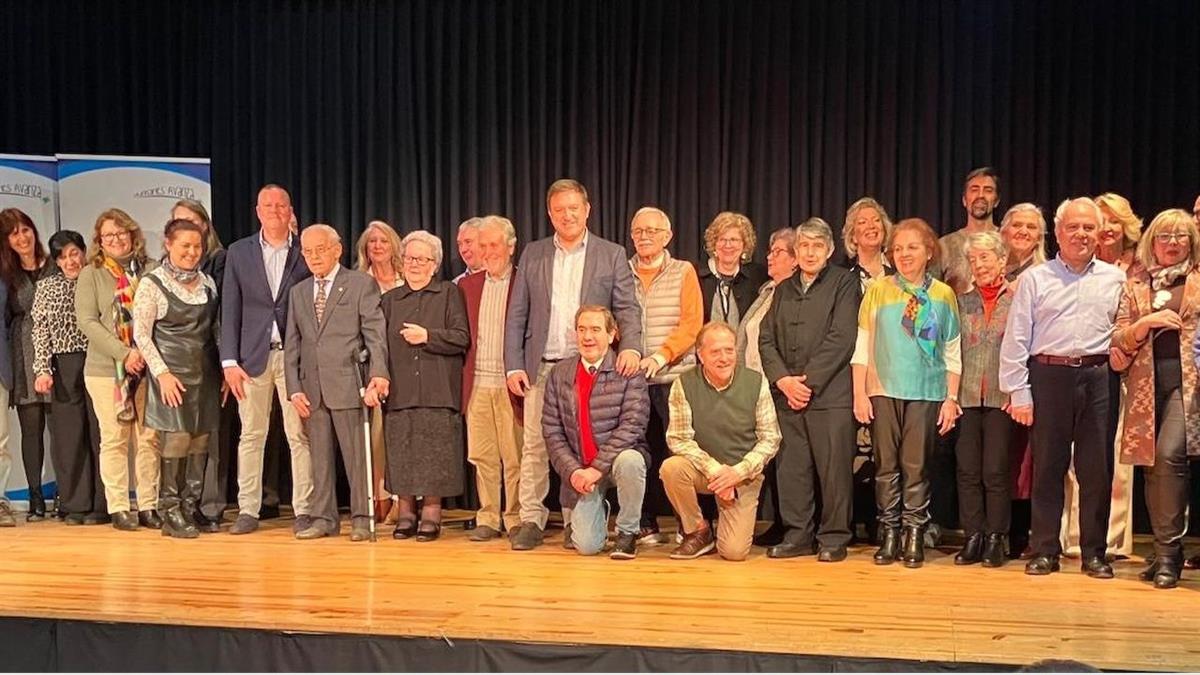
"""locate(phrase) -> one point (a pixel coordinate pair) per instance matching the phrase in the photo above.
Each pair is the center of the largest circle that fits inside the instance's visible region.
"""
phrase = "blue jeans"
(589, 519)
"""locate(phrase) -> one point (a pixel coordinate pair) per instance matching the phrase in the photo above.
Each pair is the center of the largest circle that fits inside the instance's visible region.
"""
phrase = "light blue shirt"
(567, 281)
(1058, 312)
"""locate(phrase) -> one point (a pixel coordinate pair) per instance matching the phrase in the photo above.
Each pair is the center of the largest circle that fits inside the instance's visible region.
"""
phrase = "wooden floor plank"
(457, 589)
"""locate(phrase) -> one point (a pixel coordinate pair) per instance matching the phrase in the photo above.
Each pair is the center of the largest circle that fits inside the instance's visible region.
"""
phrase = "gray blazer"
(607, 281)
(322, 360)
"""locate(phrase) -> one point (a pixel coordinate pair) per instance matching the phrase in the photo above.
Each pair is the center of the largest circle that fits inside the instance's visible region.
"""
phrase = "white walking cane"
(362, 392)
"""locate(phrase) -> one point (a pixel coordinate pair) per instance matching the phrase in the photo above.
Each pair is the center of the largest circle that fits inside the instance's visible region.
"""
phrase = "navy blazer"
(607, 281)
(247, 308)
(6, 366)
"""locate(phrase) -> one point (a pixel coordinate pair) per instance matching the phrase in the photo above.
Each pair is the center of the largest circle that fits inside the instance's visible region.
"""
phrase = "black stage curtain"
(423, 113)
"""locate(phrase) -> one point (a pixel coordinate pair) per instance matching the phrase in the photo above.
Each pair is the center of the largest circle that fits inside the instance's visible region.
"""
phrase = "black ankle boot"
(1168, 573)
(171, 487)
(914, 547)
(972, 550)
(993, 550)
(889, 547)
(37, 506)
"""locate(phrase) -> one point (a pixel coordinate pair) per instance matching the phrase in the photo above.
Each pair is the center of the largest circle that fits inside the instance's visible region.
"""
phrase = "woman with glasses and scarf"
(729, 283)
(114, 371)
(906, 369)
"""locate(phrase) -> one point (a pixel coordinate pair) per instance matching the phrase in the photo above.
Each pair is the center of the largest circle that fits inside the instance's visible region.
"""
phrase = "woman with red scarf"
(981, 454)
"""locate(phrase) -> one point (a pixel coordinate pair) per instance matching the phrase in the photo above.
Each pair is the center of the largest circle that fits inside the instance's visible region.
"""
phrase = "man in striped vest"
(668, 293)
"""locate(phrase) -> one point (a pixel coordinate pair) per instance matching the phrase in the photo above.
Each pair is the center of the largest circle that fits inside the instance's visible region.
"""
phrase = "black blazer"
(749, 279)
(813, 334)
(247, 308)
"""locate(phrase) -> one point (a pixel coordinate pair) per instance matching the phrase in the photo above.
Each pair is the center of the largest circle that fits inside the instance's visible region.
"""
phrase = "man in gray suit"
(334, 315)
(554, 277)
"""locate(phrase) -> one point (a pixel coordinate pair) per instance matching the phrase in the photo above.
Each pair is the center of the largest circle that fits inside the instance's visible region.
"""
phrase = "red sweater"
(583, 392)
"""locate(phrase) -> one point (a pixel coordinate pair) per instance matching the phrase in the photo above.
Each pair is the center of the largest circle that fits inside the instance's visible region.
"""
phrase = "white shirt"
(567, 282)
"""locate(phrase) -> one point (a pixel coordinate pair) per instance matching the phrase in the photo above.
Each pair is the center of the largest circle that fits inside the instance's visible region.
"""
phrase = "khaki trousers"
(494, 448)
(736, 520)
(255, 411)
(535, 462)
(115, 438)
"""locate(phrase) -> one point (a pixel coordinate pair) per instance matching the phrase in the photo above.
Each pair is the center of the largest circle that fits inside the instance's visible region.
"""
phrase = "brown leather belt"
(1071, 361)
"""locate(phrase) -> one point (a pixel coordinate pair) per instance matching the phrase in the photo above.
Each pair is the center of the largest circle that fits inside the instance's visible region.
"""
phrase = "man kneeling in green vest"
(722, 449)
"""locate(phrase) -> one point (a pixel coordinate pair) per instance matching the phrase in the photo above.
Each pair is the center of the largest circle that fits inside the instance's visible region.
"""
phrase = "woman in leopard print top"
(59, 350)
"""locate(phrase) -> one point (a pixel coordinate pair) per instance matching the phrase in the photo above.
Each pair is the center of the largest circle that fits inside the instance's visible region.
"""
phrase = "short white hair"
(1061, 211)
(503, 224)
(426, 238)
(816, 228)
(666, 220)
(472, 223)
(322, 227)
(986, 241)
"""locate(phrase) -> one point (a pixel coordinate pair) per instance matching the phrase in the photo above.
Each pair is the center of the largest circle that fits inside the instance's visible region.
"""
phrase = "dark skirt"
(424, 451)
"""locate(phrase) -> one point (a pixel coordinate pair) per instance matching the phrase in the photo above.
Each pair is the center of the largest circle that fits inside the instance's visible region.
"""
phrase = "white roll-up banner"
(144, 187)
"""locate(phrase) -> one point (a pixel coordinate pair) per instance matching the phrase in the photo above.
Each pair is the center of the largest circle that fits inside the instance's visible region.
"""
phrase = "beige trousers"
(255, 411)
(115, 438)
(535, 462)
(735, 524)
(494, 448)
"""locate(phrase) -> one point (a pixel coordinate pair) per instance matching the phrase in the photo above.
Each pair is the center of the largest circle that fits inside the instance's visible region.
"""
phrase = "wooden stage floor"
(456, 589)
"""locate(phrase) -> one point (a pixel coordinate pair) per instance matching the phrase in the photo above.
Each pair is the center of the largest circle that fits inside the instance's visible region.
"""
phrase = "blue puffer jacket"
(620, 409)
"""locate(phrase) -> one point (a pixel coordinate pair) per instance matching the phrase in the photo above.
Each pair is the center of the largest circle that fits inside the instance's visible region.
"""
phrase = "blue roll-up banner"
(144, 187)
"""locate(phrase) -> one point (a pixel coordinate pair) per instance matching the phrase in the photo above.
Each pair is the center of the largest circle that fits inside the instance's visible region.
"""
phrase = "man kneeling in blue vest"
(594, 423)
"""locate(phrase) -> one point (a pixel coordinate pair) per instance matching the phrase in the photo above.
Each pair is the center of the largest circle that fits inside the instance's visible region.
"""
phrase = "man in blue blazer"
(555, 276)
(260, 270)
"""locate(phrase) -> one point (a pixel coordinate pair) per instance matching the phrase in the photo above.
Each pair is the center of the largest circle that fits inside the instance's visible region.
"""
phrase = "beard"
(980, 209)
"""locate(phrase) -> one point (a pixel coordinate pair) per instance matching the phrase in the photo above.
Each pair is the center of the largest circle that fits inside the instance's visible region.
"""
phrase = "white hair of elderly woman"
(426, 238)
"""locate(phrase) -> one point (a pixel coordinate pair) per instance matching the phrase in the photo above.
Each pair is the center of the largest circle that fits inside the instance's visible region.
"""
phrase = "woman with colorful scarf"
(1155, 345)
(175, 327)
(906, 368)
(114, 369)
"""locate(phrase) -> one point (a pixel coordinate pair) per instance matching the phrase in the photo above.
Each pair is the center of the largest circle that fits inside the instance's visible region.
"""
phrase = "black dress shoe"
(73, 519)
(428, 531)
(889, 548)
(972, 550)
(206, 524)
(125, 520)
(405, 529)
(832, 554)
(1041, 565)
(1151, 570)
(789, 549)
(1097, 567)
(150, 518)
(993, 551)
(1168, 573)
(914, 547)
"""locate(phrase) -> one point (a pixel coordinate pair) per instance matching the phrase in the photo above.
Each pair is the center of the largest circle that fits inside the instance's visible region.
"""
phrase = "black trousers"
(221, 453)
(1070, 406)
(32, 418)
(904, 433)
(1168, 480)
(75, 438)
(984, 505)
(655, 502)
(816, 444)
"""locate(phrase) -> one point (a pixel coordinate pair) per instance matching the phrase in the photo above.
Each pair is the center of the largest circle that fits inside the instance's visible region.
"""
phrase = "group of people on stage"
(658, 378)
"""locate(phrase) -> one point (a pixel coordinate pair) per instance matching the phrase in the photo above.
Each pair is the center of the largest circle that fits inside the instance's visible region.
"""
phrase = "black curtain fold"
(424, 113)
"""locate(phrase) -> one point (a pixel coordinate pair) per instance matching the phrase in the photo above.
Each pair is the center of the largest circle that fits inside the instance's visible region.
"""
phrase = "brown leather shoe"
(694, 545)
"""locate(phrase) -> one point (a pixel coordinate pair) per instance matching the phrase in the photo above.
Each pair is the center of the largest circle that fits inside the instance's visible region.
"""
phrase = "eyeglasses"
(639, 232)
(417, 260)
(114, 236)
(777, 251)
(732, 241)
(1172, 237)
(318, 250)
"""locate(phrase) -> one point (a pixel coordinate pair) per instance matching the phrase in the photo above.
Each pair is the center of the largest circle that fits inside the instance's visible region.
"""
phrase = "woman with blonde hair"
(1155, 345)
(730, 281)
(380, 256)
(1120, 231)
(864, 234)
(114, 369)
